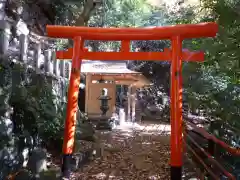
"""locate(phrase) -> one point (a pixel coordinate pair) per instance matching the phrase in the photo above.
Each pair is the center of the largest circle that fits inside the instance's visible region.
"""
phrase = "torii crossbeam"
(118, 56)
(176, 55)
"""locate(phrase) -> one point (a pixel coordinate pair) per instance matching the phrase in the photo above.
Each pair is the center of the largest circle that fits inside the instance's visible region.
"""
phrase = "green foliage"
(35, 106)
(65, 12)
(114, 13)
(37, 111)
(215, 83)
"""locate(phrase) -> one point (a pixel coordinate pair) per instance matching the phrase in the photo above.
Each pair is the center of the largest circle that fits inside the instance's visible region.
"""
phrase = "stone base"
(105, 124)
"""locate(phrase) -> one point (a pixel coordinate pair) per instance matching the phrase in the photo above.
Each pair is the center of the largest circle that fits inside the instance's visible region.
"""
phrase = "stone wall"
(25, 60)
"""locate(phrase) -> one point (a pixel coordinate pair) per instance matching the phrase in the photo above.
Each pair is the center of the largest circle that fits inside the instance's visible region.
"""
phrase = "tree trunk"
(83, 19)
(88, 9)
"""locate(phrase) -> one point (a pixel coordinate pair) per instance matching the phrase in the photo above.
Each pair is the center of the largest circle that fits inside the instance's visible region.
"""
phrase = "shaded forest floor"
(132, 152)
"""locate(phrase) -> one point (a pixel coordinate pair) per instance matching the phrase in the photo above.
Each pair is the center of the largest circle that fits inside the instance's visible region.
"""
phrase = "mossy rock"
(83, 146)
(24, 175)
(51, 174)
(85, 131)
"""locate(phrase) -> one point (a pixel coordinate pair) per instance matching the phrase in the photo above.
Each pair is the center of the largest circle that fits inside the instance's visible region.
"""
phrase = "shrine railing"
(209, 153)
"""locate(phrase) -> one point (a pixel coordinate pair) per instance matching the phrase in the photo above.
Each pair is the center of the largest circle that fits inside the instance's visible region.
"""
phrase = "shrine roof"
(106, 67)
(112, 70)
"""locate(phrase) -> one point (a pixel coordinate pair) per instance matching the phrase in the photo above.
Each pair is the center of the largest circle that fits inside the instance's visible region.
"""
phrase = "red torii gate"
(175, 33)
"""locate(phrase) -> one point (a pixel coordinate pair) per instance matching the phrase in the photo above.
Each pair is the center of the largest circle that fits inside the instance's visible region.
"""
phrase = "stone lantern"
(104, 121)
(104, 98)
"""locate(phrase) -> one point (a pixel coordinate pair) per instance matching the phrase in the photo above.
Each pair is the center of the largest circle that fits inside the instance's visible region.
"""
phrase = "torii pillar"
(175, 33)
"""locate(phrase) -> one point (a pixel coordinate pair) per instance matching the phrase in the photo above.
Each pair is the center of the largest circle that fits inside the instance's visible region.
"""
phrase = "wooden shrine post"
(175, 33)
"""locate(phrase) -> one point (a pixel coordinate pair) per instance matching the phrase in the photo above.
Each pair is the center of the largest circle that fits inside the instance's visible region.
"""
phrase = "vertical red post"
(70, 123)
(176, 109)
(125, 46)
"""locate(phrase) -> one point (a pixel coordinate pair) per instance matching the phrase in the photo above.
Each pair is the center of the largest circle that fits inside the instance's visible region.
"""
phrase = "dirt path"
(130, 155)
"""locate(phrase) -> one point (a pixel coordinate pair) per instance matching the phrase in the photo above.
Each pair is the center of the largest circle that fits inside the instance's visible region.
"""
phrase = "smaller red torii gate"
(176, 55)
